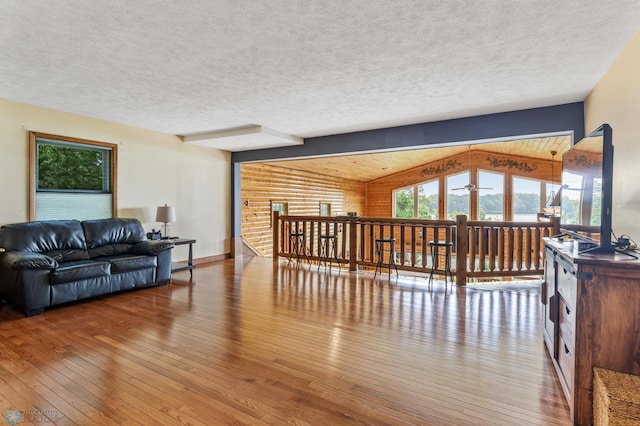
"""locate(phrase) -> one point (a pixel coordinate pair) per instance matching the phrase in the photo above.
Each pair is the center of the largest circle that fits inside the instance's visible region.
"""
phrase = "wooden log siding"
(481, 249)
(303, 191)
(380, 191)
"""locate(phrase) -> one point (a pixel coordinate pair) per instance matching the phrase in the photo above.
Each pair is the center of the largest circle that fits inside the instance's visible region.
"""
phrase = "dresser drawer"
(567, 283)
(567, 363)
(567, 323)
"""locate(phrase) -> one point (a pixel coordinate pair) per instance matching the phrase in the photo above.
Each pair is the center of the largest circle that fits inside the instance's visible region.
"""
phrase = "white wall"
(616, 100)
(153, 169)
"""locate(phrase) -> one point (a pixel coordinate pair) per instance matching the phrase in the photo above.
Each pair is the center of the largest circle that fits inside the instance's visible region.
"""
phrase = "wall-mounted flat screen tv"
(587, 171)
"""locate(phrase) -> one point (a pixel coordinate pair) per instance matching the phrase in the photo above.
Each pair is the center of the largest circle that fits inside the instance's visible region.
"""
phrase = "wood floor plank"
(255, 342)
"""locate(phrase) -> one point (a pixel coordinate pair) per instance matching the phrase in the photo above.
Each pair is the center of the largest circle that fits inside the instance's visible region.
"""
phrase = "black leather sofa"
(47, 263)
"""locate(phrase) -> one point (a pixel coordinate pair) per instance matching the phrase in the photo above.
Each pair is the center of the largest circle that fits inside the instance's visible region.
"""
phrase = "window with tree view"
(420, 201)
(404, 203)
(73, 179)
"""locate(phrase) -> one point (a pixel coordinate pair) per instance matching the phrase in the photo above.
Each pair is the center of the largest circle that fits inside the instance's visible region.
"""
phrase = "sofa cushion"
(62, 240)
(109, 250)
(70, 255)
(127, 263)
(75, 271)
(108, 237)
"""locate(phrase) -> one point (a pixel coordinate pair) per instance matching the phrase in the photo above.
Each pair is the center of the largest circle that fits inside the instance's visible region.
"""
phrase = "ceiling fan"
(470, 186)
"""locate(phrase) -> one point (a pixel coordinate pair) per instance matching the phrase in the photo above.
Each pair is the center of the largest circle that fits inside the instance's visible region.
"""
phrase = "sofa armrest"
(27, 260)
(152, 247)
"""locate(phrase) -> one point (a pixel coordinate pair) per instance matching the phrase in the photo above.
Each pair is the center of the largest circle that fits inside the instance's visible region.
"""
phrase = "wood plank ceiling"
(368, 167)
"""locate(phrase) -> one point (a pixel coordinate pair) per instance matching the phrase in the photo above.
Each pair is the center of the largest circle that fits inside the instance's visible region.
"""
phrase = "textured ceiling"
(304, 68)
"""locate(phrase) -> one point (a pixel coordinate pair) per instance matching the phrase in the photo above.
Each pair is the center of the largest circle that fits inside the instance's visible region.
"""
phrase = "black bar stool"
(436, 247)
(328, 250)
(298, 244)
(380, 243)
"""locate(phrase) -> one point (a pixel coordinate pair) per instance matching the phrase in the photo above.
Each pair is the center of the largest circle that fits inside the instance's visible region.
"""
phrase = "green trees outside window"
(404, 203)
(69, 167)
(420, 201)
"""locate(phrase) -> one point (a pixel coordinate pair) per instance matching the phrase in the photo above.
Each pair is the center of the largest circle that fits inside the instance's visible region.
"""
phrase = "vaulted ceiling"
(368, 167)
(249, 74)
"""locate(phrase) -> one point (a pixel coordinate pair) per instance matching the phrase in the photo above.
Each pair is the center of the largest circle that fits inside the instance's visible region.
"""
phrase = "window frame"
(504, 195)
(416, 202)
(393, 199)
(416, 197)
(541, 194)
(274, 202)
(33, 168)
(446, 178)
(327, 206)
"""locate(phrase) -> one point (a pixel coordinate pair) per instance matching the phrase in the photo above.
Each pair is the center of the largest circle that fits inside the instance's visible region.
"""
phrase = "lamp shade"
(166, 214)
(557, 199)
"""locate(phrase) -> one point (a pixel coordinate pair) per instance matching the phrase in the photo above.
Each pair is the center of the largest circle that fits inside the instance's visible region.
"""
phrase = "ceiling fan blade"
(458, 189)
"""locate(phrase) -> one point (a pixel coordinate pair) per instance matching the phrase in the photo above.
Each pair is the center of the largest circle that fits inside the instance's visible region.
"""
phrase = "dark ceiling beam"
(550, 120)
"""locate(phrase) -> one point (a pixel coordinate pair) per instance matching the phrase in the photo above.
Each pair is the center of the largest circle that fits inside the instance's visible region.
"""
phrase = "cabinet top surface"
(565, 248)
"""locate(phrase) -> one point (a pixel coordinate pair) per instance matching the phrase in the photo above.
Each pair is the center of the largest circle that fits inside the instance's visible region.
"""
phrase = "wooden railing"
(480, 249)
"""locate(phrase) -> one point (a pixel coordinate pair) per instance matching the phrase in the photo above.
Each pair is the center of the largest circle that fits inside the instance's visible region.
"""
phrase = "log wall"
(303, 191)
(380, 191)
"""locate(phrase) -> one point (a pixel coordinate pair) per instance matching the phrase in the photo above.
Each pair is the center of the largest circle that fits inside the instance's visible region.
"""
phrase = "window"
(457, 195)
(280, 207)
(325, 209)
(428, 200)
(490, 196)
(71, 178)
(571, 198)
(420, 201)
(526, 199)
(404, 203)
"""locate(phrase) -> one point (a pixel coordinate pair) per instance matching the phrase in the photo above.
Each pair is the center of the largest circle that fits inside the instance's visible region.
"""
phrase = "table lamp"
(165, 214)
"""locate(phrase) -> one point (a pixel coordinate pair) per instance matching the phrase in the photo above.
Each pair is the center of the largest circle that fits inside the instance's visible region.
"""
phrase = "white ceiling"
(304, 68)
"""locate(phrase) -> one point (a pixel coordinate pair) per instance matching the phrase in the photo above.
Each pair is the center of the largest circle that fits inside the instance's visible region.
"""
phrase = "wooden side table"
(188, 265)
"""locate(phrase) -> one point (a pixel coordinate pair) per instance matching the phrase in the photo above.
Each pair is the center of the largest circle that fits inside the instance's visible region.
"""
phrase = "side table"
(183, 266)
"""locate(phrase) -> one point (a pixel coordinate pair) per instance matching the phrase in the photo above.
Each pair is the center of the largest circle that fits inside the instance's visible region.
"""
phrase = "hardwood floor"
(254, 343)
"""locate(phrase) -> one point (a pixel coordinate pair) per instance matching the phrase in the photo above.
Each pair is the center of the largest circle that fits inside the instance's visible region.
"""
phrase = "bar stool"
(328, 250)
(298, 243)
(380, 243)
(436, 247)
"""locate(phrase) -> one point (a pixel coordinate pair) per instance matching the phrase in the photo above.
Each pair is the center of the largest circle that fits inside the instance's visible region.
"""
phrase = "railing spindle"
(481, 248)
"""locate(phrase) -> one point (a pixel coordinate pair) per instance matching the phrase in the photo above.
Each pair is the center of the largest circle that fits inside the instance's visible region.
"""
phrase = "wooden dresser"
(591, 307)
